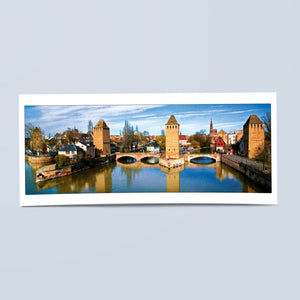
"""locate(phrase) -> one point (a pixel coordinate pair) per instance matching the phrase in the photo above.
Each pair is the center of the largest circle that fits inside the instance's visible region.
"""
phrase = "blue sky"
(152, 118)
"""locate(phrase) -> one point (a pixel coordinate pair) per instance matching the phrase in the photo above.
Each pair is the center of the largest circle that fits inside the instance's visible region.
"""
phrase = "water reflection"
(173, 178)
(203, 160)
(130, 174)
(140, 177)
(96, 180)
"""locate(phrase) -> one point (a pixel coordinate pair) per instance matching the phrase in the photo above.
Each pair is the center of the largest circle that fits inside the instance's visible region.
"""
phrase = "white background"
(150, 252)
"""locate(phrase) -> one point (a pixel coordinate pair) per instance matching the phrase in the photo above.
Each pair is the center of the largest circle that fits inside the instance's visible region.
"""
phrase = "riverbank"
(39, 159)
(253, 170)
(52, 172)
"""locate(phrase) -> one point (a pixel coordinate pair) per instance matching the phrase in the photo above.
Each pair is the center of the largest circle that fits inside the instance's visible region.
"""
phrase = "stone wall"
(254, 140)
(258, 176)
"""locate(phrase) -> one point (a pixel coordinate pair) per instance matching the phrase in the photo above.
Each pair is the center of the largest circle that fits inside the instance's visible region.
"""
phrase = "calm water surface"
(201, 175)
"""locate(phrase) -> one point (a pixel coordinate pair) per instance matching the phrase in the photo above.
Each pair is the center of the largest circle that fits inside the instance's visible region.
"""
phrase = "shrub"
(87, 156)
(61, 160)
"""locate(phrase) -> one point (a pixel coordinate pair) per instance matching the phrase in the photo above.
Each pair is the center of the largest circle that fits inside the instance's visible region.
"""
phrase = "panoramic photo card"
(148, 148)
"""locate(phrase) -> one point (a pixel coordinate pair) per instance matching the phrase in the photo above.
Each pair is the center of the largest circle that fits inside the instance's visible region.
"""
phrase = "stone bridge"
(215, 156)
(137, 155)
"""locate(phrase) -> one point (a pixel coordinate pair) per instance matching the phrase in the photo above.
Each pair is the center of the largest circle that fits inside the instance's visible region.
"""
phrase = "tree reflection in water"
(95, 180)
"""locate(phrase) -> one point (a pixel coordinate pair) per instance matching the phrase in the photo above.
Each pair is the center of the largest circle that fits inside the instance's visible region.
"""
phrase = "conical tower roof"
(101, 124)
(172, 121)
(254, 119)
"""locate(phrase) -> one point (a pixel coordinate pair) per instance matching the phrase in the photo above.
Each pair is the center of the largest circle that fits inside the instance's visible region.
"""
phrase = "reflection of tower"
(246, 188)
(172, 138)
(103, 180)
(173, 178)
(173, 182)
(101, 138)
(221, 173)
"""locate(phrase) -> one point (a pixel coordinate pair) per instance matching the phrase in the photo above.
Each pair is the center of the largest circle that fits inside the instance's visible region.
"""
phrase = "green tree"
(61, 160)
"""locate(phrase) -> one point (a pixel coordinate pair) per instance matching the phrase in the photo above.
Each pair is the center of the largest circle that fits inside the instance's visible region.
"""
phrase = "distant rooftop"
(70, 147)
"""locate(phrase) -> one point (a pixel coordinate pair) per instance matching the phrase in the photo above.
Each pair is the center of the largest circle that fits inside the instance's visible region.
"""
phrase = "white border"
(134, 198)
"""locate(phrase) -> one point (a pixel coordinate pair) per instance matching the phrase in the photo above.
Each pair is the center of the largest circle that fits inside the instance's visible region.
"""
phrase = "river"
(202, 175)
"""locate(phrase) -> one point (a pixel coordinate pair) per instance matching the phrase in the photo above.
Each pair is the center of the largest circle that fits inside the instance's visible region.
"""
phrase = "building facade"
(86, 147)
(101, 138)
(239, 134)
(253, 137)
(183, 140)
(223, 135)
(71, 151)
(231, 138)
(220, 144)
(172, 138)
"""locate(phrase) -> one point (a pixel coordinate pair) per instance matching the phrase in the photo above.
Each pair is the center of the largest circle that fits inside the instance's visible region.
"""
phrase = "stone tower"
(254, 137)
(101, 138)
(172, 138)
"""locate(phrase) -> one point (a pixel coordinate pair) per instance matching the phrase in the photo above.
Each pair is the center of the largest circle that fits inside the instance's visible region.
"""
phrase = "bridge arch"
(136, 155)
(126, 159)
(213, 156)
(149, 159)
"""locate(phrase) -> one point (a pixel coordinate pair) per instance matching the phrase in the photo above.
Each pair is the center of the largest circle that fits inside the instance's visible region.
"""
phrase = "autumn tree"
(161, 141)
(37, 139)
(71, 136)
(199, 139)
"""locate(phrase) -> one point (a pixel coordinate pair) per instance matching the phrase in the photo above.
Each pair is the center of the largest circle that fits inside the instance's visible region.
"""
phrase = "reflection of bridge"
(136, 165)
(215, 156)
(137, 155)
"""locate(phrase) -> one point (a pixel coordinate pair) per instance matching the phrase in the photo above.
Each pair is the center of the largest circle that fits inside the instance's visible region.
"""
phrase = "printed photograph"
(145, 148)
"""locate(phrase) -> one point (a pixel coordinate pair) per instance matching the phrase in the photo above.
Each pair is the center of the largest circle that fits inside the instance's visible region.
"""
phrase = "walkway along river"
(199, 175)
